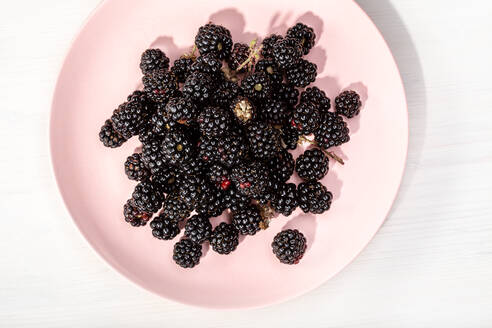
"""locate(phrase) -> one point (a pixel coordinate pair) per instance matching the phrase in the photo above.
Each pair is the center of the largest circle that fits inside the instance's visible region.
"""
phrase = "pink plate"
(101, 69)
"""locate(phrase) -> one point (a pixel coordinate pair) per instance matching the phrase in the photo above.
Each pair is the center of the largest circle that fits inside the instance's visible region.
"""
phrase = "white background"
(429, 266)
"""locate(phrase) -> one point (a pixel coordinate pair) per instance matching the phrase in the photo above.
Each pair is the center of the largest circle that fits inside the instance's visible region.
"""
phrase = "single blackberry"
(348, 104)
(250, 179)
(181, 68)
(160, 85)
(287, 52)
(285, 199)
(281, 167)
(289, 246)
(318, 97)
(302, 74)
(140, 97)
(135, 168)
(109, 137)
(186, 253)
(275, 112)
(134, 216)
(164, 228)
(332, 131)
(234, 200)
(177, 147)
(306, 118)
(257, 86)
(247, 220)
(152, 60)
(165, 180)
(313, 197)
(219, 176)
(175, 208)
(214, 39)
(199, 87)
(228, 150)
(304, 34)
(290, 136)
(153, 158)
(270, 68)
(239, 54)
(129, 119)
(198, 228)
(268, 43)
(208, 64)
(225, 94)
(147, 197)
(214, 121)
(210, 202)
(190, 189)
(181, 110)
(312, 165)
(264, 140)
(244, 110)
(224, 238)
(288, 94)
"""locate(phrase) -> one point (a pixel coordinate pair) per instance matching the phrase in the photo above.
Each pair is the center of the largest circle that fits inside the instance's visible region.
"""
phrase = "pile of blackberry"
(217, 129)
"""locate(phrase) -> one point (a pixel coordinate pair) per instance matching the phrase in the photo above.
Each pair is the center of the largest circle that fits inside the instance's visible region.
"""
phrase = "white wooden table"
(429, 266)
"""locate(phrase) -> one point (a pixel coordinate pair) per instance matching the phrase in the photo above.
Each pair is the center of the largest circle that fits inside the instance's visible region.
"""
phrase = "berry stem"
(254, 52)
(327, 153)
(191, 54)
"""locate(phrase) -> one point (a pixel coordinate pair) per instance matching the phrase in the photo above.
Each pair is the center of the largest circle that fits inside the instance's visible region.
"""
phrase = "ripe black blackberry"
(134, 216)
(198, 228)
(195, 166)
(288, 94)
(152, 60)
(250, 179)
(152, 156)
(275, 112)
(306, 118)
(312, 165)
(129, 119)
(208, 64)
(268, 43)
(348, 104)
(304, 34)
(147, 197)
(289, 246)
(160, 123)
(177, 147)
(224, 238)
(199, 87)
(140, 97)
(317, 97)
(135, 168)
(190, 189)
(271, 188)
(218, 175)
(160, 85)
(287, 52)
(313, 197)
(214, 39)
(257, 86)
(302, 74)
(228, 150)
(270, 68)
(186, 253)
(332, 131)
(225, 94)
(109, 137)
(181, 68)
(210, 202)
(247, 220)
(165, 180)
(214, 121)
(239, 54)
(285, 199)
(281, 167)
(175, 208)
(290, 136)
(181, 110)
(164, 228)
(264, 140)
(243, 110)
(234, 200)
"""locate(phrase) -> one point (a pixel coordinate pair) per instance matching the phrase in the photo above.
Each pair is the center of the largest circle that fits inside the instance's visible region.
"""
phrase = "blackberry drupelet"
(313, 197)
(177, 147)
(290, 136)
(153, 158)
(198, 228)
(287, 52)
(135, 168)
(247, 220)
(239, 54)
(164, 228)
(214, 39)
(208, 64)
(218, 175)
(210, 202)
(285, 199)
(224, 238)
(181, 68)
(186, 253)
(268, 43)
(306, 118)
(264, 140)
(302, 74)
(198, 87)
(109, 137)
(160, 85)
(281, 167)
(190, 189)
(134, 216)
(235, 200)
(275, 112)
(165, 180)
(243, 110)
(147, 197)
(304, 34)
(348, 104)
(175, 208)
(181, 110)
(270, 68)
(289, 246)
(214, 121)
(152, 60)
(318, 97)
(257, 86)
(332, 131)
(225, 94)
(312, 165)
(129, 119)
(250, 179)
(228, 150)
(288, 94)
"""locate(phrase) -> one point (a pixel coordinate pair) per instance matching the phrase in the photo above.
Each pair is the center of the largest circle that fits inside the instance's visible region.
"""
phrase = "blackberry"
(240, 53)
(289, 246)
(290, 136)
(313, 197)
(228, 150)
(287, 52)
(152, 157)
(235, 200)
(332, 131)
(306, 118)
(250, 179)
(147, 198)
(140, 97)
(268, 43)
(214, 121)
(175, 208)
(165, 180)
(271, 69)
(318, 97)
(177, 147)
(181, 68)
(186, 253)
(281, 167)
(224, 238)
(208, 64)
(348, 104)
(129, 119)
(198, 228)
(257, 86)
(160, 85)
(219, 176)
(134, 216)
(147, 135)
(210, 202)
(264, 140)
(271, 188)
(288, 94)
(160, 122)
(194, 166)
(247, 220)
(302, 74)
(109, 137)
(152, 60)
(190, 189)
(285, 199)
(164, 228)
(198, 87)
(244, 110)
(214, 39)
(312, 165)
(225, 94)
(275, 112)
(135, 169)
(304, 34)
(181, 110)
